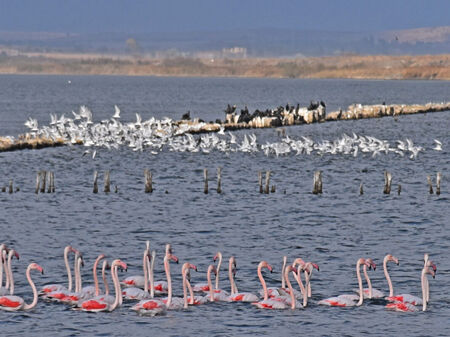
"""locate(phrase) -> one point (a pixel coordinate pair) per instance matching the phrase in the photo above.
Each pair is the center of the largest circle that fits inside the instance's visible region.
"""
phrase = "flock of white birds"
(159, 134)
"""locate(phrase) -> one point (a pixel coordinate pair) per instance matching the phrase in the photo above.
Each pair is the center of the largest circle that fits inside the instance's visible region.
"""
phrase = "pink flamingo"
(369, 292)
(410, 307)
(308, 272)
(411, 299)
(154, 307)
(276, 291)
(162, 287)
(204, 287)
(134, 293)
(15, 303)
(192, 299)
(235, 295)
(275, 303)
(58, 287)
(8, 272)
(137, 281)
(94, 305)
(348, 300)
(215, 295)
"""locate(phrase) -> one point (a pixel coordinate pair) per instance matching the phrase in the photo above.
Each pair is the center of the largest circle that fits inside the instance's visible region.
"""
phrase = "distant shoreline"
(377, 67)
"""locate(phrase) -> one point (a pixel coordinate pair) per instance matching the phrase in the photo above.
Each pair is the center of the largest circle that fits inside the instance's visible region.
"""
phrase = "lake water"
(333, 229)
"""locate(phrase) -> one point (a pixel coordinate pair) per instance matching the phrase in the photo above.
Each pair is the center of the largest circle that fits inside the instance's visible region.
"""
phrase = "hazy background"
(264, 28)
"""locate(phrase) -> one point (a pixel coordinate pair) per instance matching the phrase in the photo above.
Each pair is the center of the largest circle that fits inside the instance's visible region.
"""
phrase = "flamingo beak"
(123, 265)
(174, 258)
(193, 266)
(316, 266)
(16, 255)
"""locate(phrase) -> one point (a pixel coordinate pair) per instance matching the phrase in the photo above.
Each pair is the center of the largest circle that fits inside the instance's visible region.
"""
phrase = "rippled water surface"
(333, 229)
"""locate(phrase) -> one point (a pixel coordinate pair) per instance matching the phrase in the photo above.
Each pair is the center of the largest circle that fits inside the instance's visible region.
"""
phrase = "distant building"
(235, 52)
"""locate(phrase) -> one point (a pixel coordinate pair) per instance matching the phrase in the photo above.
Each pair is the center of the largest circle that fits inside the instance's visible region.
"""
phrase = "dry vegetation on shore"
(361, 67)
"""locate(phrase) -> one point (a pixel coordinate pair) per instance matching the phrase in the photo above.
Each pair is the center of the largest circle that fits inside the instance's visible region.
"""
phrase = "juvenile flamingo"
(275, 303)
(15, 303)
(94, 305)
(235, 295)
(347, 300)
(410, 307)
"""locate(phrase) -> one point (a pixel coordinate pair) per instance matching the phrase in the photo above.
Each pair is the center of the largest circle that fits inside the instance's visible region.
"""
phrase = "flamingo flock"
(156, 297)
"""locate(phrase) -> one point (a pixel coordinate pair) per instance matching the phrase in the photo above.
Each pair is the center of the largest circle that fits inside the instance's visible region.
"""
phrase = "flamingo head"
(119, 263)
(173, 258)
(390, 257)
(297, 261)
(192, 266)
(73, 250)
(37, 267)
(233, 265)
(369, 263)
(430, 271)
(431, 265)
(316, 266)
(289, 269)
(101, 257)
(212, 269)
(265, 264)
(217, 256)
(16, 254)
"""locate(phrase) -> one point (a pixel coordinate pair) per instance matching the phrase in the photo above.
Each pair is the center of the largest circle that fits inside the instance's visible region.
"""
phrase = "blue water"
(333, 229)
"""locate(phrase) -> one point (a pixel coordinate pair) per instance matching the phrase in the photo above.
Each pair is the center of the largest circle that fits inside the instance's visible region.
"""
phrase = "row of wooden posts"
(45, 181)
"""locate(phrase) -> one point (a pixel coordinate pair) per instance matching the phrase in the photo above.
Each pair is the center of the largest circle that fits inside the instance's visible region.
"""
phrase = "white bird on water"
(438, 146)
(116, 112)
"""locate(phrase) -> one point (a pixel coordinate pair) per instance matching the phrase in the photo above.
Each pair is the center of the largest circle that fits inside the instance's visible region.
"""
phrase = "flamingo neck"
(358, 275)
(291, 291)
(211, 290)
(283, 277)
(150, 268)
(388, 278)
(94, 274)
(117, 289)
(1, 266)
(169, 281)
(234, 289)
(33, 287)
(105, 281)
(298, 278)
(307, 283)
(5, 263)
(185, 299)
(263, 283)
(369, 283)
(218, 269)
(11, 277)
(77, 270)
(424, 289)
(144, 267)
(69, 272)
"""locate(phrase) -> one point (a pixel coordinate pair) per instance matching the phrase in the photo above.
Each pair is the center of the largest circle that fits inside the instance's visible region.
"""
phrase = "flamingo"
(191, 300)
(347, 300)
(275, 291)
(154, 307)
(94, 305)
(215, 295)
(235, 295)
(8, 270)
(137, 281)
(411, 299)
(2, 248)
(369, 292)
(58, 287)
(277, 302)
(204, 287)
(308, 272)
(162, 286)
(135, 293)
(15, 303)
(410, 307)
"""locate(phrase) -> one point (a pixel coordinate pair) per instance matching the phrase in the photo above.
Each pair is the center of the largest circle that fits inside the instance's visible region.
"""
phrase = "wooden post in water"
(317, 183)
(266, 190)
(107, 188)
(273, 189)
(49, 188)
(387, 182)
(95, 182)
(438, 183)
(10, 189)
(399, 190)
(148, 181)
(53, 182)
(3, 188)
(219, 180)
(260, 182)
(361, 189)
(205, 176)
(38, 182)
(43, 181)
(430, 184)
